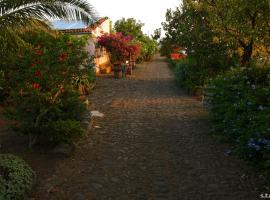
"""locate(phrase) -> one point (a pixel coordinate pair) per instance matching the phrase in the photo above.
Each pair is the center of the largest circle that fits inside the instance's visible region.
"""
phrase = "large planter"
(129, 70)
(117, 70)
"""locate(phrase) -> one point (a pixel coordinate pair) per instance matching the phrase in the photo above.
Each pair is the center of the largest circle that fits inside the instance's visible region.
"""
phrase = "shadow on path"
(153, 143)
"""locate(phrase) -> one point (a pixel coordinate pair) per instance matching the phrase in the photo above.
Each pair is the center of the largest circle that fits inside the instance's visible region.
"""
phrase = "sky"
(150, 12)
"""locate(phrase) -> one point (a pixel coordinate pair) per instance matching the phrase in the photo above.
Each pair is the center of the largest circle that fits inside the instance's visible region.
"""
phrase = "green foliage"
(149, 48)
(240, 111)
(189, 28)
(86, 77)
(217, 32)
(189, 75)
(64, 130)
(16, 177)
(18, 16)
(42, 83)
(242, 25)
(132, 27)
(157, 34)
(129, 27)
(166, 47)
(2, 81)
(2, 78)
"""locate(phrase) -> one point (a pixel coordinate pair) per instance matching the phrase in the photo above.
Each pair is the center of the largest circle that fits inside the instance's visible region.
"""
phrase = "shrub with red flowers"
(46, 103)
(120, 47)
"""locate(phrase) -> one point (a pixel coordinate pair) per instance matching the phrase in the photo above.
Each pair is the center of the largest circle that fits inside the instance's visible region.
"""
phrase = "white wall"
(103, 28)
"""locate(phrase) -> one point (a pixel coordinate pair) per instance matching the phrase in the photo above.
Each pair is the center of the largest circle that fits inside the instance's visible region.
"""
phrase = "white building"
(100, 27)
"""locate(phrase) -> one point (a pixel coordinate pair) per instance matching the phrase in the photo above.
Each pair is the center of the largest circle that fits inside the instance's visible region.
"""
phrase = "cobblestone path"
(152, 144)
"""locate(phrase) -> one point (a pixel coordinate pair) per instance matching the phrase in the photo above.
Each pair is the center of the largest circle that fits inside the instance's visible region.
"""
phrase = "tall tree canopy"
(188, 27)
(214, 27)
(129, 26)
(246, 24)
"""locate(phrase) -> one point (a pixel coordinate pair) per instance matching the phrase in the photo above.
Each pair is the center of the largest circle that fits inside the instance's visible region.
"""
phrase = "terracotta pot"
(129, 70)
(117, 70)
(117, 74)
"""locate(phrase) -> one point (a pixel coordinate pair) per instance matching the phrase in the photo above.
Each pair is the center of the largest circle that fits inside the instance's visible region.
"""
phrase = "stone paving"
(151, 144)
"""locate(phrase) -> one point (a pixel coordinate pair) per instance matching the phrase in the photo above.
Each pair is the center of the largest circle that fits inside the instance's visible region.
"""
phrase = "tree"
(214, 27)
(16, 15)
(246, 24)
(149, 48)
(157, 34)
(20, 13)
(129, 26)
(188, 27)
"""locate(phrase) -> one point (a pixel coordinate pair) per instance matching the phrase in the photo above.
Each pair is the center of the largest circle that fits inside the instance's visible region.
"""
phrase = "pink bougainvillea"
(120, 46)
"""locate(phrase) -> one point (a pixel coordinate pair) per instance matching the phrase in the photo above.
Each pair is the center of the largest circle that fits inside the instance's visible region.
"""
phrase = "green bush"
(240, 111)
(189, 75)
(42, 84)
(64, 130)
(51, 128)
(86, 78)
(2, 80)
(149, 48)
(16, 177)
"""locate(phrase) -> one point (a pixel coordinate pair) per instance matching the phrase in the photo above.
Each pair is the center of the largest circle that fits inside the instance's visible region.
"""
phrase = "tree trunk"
(248, 50)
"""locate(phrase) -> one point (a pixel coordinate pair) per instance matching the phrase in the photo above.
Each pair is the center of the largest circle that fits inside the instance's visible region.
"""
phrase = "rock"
(79, 196)
(115, 180)
(85, 124)
(96, 113)
(228, 152)
(97, 186)
(64, 149)
(86, 116)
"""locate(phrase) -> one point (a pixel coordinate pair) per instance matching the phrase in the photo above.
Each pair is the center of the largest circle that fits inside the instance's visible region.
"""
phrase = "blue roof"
(63, 25)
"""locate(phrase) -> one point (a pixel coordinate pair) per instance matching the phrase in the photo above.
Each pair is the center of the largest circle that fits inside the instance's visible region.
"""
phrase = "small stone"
(97, 186)
(79, 196)
(162, 190)
(228, 152)
(160, 183)
(96, 113)
(85, 124)
(64, 149)
(142, 168)
(115, 180)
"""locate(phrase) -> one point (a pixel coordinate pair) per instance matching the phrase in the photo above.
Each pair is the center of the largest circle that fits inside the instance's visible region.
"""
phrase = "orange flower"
(63, 57)
(62, 90)
(35, 85)
(38, 73)
(38, 62)
(39, 52)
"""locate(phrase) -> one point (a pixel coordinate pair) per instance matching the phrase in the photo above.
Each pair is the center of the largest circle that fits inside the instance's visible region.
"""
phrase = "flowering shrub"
(41, 86)
(121, 47)
(240, 111)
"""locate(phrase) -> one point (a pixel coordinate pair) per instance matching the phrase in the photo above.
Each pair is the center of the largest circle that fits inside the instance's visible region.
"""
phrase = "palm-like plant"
(17, 15)
(20, 13)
